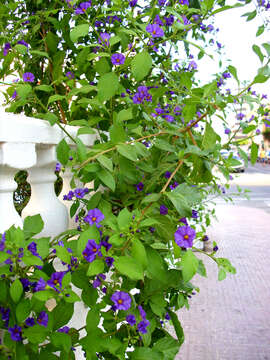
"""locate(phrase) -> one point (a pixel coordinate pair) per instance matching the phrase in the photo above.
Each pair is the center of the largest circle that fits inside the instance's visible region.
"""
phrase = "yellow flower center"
(120, 301)
(94, 218)
(94, 249)
(186, 237)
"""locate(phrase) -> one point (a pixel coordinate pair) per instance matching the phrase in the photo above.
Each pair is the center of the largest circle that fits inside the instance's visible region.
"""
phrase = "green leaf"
(125, 114)
(46, 88)
(62, 253)
(23, 310)
(16, 290)
(127, 151)
(23, 90)
(254, 153)
(180, 203)
(36, 334)
(189, 265)
(156, 266)
(33, 225)
(54, 98)
(260, 30)
(209, 137)
(267, 48)
(107, 86)
(21, 48)
(164, 145)
(106, 177)
(222, 274)
(31, 260)
(40, 53)
(151, 198)
(258, 52)
(124, 218)
(117, 134)
(62, 313)
(44, 295)
(138, 253)
(243, 156)
(62, 151)
(78, 31)
(177, 327)
(141, 65)
(168, 346)
(143, 353)
(96, 267)
(105, 162)
(129, 266)
(61, 340)
(148, 222)
(81, 148)
(201, 269)
(233, 71)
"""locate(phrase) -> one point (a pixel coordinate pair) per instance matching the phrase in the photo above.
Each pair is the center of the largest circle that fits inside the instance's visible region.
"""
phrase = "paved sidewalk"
(230, 320)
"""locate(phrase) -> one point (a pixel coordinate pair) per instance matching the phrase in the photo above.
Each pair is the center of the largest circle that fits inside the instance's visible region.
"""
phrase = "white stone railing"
(30, 144)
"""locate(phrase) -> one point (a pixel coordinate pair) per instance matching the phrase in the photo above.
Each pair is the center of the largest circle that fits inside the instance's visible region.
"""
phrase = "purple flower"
(15, 333)
(155, 30)
(94, 216)
(139, 186)
(5, 315)
(167, 174)
(163, 210)
(205, 238)
(169, 118)
(219, 45)
(183, 2)
(227, 131)
(118, 59)
(22, 42)
(138, 98)
(174, 185)
(91, 251)
(32, 247)
(14, 95)
(226, 75)
(167, 316)
(215, 248)
(264, 96)
(142, 326)
(240, 116)
(64, 329)
(210, 28)
(131, 319)
(2, 242)
(104, 39)
(28, 77)
(152, 229)
(56, 280)
(79, 193)
(43, 318)
(194, 214)
(122, 300)
(258, 131)
(184, 236)
(82, 7)
(30, 321)
(58, 167)
(183, 220)
(26, 284)
(6, 49)
(142, 312)
(109, 261)
(70, 75)
(192, 65)
(133, 3)
(40, 285)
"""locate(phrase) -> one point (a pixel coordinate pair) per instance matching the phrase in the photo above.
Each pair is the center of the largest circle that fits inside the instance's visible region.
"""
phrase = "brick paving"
(230, 320)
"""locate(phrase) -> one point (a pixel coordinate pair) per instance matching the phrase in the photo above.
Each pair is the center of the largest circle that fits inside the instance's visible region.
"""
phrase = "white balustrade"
(30, 144)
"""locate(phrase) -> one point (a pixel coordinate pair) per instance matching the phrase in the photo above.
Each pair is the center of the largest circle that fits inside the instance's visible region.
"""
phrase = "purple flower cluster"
(139, 186)
(55, 280)
(163, 210)
(15, 333)
(43, 318)
(104, 38)
(142, 325)
(79, 193)
(98, 280)
(70, 75)
(184, 236)
(141, 95)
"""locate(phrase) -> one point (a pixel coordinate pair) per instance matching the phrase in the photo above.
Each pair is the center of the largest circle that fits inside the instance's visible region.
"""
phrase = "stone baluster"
(43, 199)
(13, 157)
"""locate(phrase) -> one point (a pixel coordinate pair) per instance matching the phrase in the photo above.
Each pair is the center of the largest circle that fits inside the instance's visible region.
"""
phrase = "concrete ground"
(230, 320)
